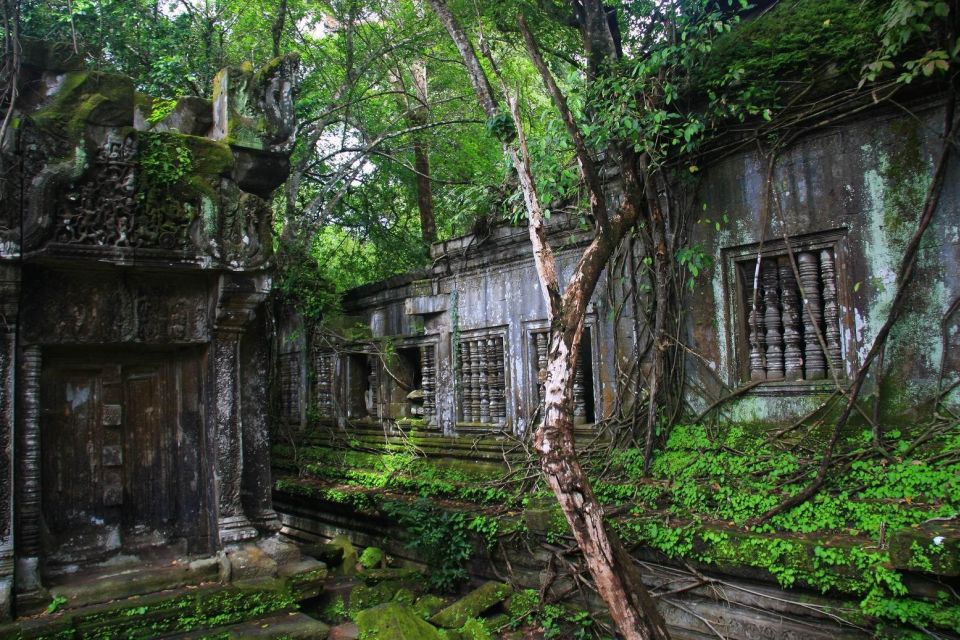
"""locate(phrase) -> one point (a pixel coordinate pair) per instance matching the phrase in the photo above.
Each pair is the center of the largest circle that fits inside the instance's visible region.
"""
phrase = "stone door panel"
(121, 456)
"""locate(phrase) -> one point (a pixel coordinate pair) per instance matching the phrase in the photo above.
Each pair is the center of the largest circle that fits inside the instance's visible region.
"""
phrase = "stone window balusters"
(815, 365)
(831, 310)
(290, 386)
(428, 373)
(482, 398)
(784, 317)
(323, 385)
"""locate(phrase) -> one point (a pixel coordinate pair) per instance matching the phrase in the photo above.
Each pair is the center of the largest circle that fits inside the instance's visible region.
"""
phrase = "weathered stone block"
(471, 605)
(394, 621)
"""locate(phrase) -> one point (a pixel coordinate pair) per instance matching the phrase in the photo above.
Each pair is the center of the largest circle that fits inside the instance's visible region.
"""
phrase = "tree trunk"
(616, 577)
(614, 574)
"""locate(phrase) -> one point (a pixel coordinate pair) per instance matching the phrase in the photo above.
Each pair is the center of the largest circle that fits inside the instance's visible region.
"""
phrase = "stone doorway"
(122, 452)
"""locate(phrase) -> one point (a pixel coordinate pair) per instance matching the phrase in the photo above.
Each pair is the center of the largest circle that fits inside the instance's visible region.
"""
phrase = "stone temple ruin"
(142, 377)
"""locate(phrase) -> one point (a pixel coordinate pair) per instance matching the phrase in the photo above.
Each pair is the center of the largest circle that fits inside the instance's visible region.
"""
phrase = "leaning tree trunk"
(616, 577)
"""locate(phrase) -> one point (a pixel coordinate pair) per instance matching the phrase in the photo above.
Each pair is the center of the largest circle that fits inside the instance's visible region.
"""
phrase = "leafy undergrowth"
(707, 493)
(701, 502)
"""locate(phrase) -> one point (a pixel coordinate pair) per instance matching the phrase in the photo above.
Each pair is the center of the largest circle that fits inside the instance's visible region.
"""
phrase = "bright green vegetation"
(161, 614)
(700, 503)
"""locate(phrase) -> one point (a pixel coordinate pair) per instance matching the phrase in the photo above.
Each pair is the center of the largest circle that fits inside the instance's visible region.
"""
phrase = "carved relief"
(106, 309)
(103, 209)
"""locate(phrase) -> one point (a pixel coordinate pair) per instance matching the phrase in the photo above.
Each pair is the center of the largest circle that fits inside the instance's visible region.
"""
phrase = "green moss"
(796, 40)
(394, 621)
(371, 558)
(87, 97)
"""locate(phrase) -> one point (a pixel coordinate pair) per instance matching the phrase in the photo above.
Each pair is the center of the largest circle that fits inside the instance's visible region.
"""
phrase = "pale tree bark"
(616, 577)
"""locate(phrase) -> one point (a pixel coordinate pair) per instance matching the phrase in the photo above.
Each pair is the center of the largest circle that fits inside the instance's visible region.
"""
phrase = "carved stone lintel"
(815, 365)
(28, 533)
(831, 311)
(790, 303)
(772, 321)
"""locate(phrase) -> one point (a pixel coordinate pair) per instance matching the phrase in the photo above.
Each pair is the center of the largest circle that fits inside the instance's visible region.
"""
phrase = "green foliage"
(160, 108)
(371, 558)
(713, 487)
(440, 537)
(165, 159)
(301, 282)
(502, 127)
(914, 40)
(56, 603)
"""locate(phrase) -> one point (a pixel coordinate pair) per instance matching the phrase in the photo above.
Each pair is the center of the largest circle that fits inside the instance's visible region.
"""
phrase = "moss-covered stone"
(86, 97)
(428, 605)
(371, 558)
(394, 621)
(471, 605)
(348, 563)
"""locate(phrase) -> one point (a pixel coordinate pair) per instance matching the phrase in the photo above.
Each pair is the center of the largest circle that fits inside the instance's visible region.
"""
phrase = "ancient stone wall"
(134, 263)
(792, 301)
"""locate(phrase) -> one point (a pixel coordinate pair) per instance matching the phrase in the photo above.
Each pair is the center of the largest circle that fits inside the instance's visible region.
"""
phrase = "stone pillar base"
(6, 598)
(28, 575)
(267, 520)
(235, 529)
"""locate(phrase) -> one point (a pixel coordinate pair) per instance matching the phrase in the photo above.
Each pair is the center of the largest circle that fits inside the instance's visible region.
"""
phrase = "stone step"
(286, 626)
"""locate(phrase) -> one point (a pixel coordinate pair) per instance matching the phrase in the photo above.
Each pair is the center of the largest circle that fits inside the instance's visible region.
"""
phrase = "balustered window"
(361, 385)
(583, 397)
(482, 380)
(289, 370)
(415, 384)
(790, 315)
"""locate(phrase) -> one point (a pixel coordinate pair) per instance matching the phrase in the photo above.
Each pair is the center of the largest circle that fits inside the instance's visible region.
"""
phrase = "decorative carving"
(102, 308)
(541, 339)
(466, 380)
(771, 317)
(815, 364)
(783, 330)
(482, 380)
(232, 523)
(831, 311)
(28, 534)
(790, 302)
(373, 386)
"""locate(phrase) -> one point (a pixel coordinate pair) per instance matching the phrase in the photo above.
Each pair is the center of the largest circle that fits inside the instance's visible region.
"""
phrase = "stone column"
(9, 299)
(257, 479)
(28, 510)
(236, 306)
